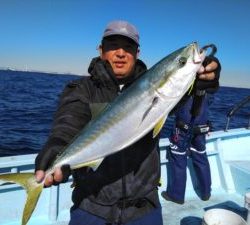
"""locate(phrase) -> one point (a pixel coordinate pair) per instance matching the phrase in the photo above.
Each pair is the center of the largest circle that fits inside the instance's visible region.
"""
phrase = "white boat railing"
(228, 153)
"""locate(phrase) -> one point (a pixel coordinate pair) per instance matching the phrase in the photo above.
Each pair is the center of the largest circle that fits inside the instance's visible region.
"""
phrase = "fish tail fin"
(32, 187)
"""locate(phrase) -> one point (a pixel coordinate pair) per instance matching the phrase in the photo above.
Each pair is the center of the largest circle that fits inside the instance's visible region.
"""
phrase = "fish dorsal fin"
(33, 189)
(97, 108)
(159, 126)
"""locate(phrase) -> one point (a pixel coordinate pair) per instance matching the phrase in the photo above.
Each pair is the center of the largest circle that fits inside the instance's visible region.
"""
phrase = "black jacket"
(124, 187)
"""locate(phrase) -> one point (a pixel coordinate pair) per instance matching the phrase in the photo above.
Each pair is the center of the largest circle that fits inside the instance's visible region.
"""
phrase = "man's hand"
(43, 162)
(55, 178)
(208, 72)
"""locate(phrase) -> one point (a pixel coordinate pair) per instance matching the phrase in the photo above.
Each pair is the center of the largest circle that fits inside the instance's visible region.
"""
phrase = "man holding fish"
(123, 189)
(111, 149)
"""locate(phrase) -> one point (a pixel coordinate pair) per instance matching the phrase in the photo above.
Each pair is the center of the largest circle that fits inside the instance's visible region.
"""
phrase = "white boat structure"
(229, 156)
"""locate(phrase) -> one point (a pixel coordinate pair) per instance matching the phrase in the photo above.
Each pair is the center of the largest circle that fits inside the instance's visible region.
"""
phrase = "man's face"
(121, 53)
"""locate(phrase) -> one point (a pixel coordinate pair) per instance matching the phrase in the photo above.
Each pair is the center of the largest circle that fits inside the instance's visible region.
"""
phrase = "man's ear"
(138, 53)
(100, 50)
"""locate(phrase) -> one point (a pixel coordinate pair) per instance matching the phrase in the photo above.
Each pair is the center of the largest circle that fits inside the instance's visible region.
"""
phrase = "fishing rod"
(238, 106)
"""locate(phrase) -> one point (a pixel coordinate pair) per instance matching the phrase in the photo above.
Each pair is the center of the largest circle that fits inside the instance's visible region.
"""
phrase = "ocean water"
(28, 101)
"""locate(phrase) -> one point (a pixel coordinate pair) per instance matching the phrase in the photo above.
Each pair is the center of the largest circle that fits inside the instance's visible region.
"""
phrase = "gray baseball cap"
(120, 27)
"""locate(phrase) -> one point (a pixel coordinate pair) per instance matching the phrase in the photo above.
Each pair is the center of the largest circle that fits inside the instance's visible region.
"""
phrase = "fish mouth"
(199, 54)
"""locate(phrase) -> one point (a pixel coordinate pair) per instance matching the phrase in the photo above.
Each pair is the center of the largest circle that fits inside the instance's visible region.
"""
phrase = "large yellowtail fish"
(139, 109)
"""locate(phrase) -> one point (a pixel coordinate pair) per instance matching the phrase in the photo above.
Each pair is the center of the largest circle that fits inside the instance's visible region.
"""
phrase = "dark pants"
(81, 217)
(177, 166)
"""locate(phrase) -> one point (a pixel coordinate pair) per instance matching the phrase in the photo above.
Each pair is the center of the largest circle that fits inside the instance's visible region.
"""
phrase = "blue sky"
(62, 35)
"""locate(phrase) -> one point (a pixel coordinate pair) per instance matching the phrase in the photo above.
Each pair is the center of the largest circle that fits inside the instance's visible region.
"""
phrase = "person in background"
(188, 139)
(124, 188)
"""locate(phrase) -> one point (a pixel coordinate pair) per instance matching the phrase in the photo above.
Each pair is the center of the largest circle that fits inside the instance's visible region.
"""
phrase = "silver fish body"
(139, 109)
(136, 111)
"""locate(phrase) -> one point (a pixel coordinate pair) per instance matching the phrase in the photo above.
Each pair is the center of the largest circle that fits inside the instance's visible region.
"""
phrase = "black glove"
(209, 86)
(47, 156)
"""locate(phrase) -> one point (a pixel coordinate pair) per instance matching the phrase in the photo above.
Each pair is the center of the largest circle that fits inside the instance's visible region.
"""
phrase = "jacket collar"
(101, 72)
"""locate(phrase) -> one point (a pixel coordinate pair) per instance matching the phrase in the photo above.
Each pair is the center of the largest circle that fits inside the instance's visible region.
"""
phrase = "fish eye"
(182, 61)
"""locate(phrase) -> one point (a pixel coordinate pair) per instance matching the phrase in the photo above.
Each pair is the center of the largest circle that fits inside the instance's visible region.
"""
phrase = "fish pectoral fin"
(159, 126)
(154, 102)
(33, 189)
(191, 88)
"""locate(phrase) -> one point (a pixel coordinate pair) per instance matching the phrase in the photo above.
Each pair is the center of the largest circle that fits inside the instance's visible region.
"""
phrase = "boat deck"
(193, 206)
(230, 171)
(172, 213)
